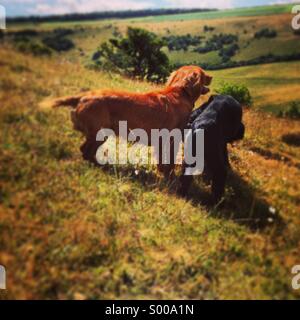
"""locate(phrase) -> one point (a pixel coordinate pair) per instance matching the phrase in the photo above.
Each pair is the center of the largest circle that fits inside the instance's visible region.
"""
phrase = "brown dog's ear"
(193, 85)
(171, 78)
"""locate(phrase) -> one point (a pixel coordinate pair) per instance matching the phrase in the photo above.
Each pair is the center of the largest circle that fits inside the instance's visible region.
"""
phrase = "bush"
(292, 112)
(139, 55)
(228, 52)
(24, 33)
(63, 32)
(217, 42)
(265, 33)
(32, 47)
(208, 29)
(181, 42)
(239, 92)
(58, 43)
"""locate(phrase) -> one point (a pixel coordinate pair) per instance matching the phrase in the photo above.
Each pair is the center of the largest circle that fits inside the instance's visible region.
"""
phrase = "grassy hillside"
(273, 86)
(70, 230)
(243, 23)
(229, 13)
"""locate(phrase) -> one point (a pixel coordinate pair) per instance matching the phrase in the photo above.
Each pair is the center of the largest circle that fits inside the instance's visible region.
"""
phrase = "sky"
(47, 7)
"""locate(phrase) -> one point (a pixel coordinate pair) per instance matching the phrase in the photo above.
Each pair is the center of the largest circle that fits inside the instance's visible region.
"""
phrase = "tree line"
(105, 15)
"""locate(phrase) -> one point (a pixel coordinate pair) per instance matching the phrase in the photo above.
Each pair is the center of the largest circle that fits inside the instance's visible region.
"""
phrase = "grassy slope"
(69, 230)
(271, 85)
(238, 12)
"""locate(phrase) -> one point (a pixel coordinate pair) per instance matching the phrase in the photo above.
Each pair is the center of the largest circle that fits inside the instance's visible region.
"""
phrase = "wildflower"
(272, 210)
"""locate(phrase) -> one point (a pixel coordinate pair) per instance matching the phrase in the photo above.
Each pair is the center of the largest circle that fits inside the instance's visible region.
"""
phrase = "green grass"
(269, 84)
(222, 14)
(183, 57)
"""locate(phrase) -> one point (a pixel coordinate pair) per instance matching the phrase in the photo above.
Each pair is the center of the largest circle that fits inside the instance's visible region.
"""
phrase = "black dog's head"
(239, 134)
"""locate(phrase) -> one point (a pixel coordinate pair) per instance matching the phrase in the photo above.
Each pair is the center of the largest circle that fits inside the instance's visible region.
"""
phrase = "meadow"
(69, 230)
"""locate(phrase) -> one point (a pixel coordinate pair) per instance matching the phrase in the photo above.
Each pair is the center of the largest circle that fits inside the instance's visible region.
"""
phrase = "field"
(239, 12)
(244, 23)
(69, 230)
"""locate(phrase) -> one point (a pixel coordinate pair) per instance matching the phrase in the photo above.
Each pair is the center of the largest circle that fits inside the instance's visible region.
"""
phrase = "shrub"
(33, 47)
(58, 43)
(292, 112)
(208, 29)
(24, 33)
(240, 92)
(223, 39)
(138, 55)
(181, 42)
(228, 52)
(217, 42)
(265, 33)
(63, 32)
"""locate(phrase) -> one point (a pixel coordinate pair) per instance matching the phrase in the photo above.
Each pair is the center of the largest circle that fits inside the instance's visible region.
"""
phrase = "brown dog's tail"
(71, 101)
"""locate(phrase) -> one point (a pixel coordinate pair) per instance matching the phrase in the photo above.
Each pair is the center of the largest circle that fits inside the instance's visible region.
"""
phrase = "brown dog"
(167, 108)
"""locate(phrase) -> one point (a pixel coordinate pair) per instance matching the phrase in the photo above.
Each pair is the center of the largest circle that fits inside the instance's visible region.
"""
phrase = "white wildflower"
(272, 210)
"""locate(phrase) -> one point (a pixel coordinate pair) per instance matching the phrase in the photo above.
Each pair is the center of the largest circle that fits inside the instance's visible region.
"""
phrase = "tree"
(138, 55)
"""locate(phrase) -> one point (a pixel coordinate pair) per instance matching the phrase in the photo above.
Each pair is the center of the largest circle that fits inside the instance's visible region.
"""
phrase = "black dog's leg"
(185, 182)
(219, 172)
(226, 158)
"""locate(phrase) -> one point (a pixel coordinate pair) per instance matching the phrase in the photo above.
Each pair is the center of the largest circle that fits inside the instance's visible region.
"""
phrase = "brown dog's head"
(193, 79)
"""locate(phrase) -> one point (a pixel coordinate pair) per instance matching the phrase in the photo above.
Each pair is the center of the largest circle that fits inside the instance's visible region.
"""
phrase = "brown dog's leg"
(169, 169)
(85, 147)
(162, 167)
(89, 149)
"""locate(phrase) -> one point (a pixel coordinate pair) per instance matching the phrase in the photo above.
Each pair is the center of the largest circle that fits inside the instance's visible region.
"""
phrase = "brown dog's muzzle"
(204, 90)
(207, 80)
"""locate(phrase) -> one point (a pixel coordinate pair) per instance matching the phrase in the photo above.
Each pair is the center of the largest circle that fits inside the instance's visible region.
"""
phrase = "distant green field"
(240, 12)
(272, 86)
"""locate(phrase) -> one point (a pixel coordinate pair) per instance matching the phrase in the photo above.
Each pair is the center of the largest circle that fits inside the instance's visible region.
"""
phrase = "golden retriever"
(168, 108)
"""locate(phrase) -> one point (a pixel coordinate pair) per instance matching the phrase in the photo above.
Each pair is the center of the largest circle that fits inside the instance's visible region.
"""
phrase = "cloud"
(281, 1)
(44, 7)
(48, 7)
(224, 4)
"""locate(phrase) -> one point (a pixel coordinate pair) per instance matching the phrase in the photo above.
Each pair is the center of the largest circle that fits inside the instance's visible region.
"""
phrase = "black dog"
(221, 120)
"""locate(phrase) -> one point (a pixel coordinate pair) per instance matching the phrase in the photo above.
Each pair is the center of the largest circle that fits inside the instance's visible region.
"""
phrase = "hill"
(70, 230)
(258, 35)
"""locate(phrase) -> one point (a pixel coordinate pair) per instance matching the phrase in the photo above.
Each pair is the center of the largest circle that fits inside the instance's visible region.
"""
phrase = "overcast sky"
(46, 7)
